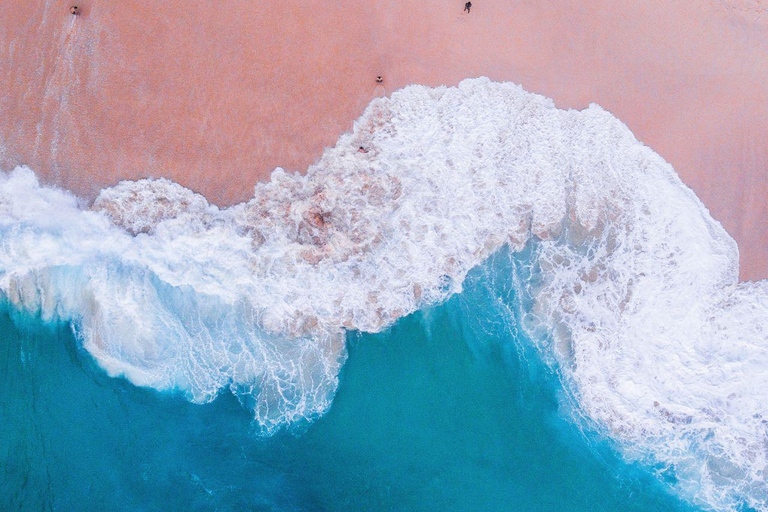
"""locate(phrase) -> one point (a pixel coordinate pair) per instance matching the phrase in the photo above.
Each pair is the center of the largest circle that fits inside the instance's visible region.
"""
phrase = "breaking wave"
(631, 288)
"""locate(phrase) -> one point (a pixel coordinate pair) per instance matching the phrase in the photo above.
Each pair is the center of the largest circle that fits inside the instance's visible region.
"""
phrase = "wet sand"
(215, 96)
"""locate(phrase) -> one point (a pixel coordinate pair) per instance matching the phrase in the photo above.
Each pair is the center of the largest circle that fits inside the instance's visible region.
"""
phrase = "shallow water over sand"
(216, 97)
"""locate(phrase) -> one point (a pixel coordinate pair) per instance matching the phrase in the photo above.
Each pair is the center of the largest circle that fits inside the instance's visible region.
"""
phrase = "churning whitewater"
(631, 288)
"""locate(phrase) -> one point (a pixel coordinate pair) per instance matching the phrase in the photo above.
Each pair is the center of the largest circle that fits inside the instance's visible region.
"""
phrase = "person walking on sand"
(467, 6)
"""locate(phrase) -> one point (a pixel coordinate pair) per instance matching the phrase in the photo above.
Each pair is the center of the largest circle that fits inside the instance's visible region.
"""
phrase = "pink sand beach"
(216, 95)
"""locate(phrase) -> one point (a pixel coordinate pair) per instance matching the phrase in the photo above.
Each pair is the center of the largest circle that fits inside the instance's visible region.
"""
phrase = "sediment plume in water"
(631, 288)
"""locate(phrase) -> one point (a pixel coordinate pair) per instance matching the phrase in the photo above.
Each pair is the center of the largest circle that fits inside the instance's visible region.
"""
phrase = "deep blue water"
(449, 409)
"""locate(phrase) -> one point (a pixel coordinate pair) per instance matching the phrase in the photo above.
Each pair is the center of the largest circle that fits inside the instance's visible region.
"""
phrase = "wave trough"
(631, 289)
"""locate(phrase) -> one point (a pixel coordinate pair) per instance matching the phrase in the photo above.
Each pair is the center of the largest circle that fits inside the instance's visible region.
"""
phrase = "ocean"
(474, 301)
(448, 409)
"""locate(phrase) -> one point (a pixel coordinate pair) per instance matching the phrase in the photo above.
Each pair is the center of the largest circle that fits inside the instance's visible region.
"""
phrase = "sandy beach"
(216, 96)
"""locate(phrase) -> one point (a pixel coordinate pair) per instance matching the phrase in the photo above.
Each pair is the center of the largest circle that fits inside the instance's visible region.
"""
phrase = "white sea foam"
(633, 282)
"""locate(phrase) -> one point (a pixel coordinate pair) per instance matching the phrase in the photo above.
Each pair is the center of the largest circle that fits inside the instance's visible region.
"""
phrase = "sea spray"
(634, 284)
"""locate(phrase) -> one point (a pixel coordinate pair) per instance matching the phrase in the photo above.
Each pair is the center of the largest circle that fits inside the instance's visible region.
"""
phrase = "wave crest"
(633, 284)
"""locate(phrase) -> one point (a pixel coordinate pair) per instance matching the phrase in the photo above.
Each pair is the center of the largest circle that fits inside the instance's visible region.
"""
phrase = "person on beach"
(467, 6)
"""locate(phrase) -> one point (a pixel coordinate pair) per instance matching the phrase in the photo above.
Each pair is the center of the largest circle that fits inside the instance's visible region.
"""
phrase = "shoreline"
(216, 99)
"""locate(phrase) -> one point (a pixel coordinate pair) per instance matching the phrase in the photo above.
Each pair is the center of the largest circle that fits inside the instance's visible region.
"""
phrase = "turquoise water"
(449, 409)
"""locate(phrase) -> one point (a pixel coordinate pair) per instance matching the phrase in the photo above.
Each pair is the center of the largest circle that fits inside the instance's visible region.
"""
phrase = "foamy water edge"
(633, 284)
